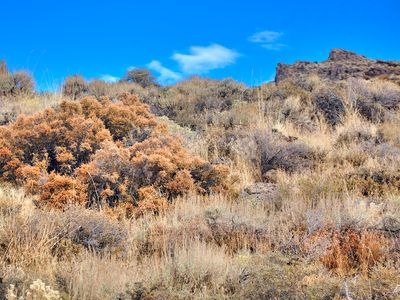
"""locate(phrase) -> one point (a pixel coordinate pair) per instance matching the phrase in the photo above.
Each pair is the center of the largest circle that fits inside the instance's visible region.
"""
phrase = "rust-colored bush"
(59, 190)
(100, 152)
(347, 250)
(150, 201)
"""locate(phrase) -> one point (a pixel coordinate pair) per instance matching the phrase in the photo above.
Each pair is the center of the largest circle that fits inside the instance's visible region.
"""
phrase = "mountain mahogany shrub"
(99, 152)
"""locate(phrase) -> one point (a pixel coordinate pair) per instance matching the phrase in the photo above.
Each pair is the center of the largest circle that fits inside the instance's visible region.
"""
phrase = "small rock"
(261, 192)
(260, 188)
(390, 223)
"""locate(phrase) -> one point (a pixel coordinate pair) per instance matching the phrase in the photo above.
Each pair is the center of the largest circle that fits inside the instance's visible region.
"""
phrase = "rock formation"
(340, 65)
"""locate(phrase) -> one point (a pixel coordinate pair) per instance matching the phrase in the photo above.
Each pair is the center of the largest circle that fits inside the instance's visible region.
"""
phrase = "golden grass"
(322, 235)
(184, 253)
(29, 104)
(202, 247)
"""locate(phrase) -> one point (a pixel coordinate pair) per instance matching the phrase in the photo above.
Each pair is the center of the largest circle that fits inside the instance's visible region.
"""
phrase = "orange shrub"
(101, 152)
(60, 190)
(150, 201)
(347, 250)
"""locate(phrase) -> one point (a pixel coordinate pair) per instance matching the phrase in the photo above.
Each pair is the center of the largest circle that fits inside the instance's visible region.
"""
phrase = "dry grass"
(202, 247)
(10, 108)
(330, 231)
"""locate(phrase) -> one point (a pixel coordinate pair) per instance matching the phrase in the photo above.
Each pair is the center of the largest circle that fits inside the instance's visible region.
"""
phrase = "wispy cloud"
(203, 59)
(264, 37)
(167, 76)
(109, 78)
(268, 39)
(276, 46)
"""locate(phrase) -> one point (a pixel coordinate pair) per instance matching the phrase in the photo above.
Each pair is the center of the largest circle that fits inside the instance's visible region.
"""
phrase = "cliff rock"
(340, 65)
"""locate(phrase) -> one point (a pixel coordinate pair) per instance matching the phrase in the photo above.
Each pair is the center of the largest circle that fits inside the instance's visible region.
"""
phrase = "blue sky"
(176, 39)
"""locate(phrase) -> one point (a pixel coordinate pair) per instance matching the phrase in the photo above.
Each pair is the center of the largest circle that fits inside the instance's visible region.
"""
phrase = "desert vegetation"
(203, 189)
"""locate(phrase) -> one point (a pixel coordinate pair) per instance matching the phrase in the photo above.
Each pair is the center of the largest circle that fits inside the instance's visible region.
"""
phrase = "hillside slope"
(207, 189)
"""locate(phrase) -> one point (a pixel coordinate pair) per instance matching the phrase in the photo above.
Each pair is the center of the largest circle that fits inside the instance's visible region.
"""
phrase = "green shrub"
(142, 77)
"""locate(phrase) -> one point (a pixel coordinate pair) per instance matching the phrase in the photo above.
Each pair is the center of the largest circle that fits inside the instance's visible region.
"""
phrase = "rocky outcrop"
(340, 65)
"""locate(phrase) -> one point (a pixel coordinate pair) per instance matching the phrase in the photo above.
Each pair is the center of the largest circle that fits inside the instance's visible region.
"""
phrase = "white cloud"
(109, 78)
(199, 60)
(268, 39)
(203, 59)
(167, 76)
